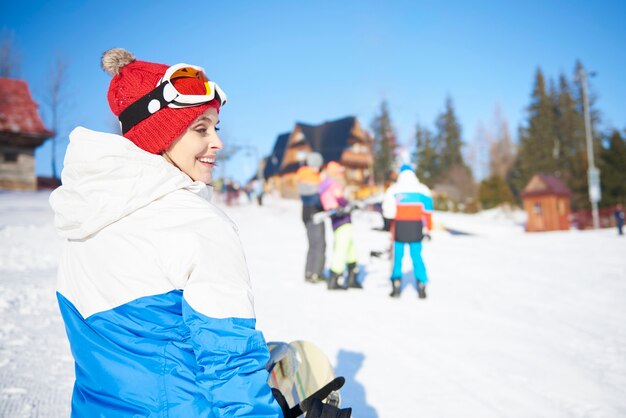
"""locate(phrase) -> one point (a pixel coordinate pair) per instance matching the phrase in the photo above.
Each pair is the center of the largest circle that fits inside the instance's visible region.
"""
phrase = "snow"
(515, 324)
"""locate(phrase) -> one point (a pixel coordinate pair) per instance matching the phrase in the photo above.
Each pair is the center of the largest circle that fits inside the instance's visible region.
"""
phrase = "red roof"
(18, 110)
(544, 184)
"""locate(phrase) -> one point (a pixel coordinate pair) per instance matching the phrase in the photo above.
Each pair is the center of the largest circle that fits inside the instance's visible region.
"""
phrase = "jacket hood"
(407, 177)
(407, 180)
(105, 178)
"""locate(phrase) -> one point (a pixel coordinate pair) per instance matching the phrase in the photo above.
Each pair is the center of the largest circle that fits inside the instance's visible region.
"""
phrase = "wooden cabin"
(341, 140)
(547, 204)
(21, 131)
(271, 171)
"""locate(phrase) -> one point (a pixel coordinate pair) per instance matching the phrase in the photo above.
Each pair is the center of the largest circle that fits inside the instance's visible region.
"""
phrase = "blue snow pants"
(415, 249)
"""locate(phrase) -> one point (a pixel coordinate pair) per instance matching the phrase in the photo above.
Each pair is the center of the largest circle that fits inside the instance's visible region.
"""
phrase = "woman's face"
(195, 151)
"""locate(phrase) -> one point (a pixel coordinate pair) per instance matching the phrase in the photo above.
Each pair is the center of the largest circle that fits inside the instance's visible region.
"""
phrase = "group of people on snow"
(321, 189)
(407, 206)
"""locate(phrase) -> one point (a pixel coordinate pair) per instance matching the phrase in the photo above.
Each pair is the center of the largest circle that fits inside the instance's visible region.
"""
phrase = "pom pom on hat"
(133, 79)
(115, 59)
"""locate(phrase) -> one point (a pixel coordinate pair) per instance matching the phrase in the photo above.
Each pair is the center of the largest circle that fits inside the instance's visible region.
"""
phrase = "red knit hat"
(131, 81)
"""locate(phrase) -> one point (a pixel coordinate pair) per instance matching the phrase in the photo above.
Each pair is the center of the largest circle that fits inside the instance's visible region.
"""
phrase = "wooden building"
(547, 204)
(21, 131)
(341, 140)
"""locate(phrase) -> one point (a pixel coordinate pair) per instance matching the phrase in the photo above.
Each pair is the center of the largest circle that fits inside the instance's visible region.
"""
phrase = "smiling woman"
(195, 151)
(153, 284)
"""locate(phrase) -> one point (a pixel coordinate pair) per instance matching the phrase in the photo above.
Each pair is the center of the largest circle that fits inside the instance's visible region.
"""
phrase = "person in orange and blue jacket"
(408, 203)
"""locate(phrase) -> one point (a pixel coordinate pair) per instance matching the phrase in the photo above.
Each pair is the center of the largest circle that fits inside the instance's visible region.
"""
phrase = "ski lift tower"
(593, 173)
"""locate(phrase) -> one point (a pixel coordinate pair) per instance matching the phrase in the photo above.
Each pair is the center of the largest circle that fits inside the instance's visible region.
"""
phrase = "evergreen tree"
(385, 144)
(538, 140)
(452, 172)
(613, 168)
(426, 156)
(570, 133)
(494, 191)
(448, 139)
(554, 141)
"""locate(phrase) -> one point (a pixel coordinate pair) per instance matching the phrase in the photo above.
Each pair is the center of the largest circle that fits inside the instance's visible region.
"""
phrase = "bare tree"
(477, 153)
(9, 55)
(502, 149)
(56, 99)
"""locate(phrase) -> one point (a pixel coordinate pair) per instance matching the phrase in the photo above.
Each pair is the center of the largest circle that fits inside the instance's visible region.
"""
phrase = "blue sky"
(282, 62)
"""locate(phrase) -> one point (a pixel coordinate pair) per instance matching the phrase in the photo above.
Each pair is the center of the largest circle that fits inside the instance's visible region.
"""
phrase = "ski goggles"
(165, 95)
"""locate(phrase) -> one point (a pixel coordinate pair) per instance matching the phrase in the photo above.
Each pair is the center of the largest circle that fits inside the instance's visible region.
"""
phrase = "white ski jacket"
(154, 290)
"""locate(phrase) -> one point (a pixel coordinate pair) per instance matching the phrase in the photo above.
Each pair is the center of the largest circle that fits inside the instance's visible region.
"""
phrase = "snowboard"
(299, 369)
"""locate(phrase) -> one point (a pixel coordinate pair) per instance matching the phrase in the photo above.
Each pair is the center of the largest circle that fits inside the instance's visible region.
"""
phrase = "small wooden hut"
(547, 204)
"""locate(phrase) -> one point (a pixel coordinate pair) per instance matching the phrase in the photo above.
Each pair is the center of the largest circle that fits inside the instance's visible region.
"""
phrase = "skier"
(153, 285)
(409, 204)
(619, 218)
(309, 189)
(259, 190)
(344, 252)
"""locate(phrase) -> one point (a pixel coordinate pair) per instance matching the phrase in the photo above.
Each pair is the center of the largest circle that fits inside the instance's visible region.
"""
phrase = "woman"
(153, 285)
(308, 178)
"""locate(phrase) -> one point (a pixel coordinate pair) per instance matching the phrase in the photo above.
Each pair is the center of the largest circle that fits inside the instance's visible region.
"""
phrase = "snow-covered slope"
(516, 324)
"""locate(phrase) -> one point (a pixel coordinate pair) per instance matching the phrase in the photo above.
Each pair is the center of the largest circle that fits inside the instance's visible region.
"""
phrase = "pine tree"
(538, 142)
(554, 141)
(426, 156)
(452, 172)
(570, 131)
(448, 139)
(613, 167)
(385, 144)
(494, 191)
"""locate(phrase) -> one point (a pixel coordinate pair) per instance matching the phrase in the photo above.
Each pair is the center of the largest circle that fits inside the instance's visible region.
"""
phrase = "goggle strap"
(142, 108)
(219, 97)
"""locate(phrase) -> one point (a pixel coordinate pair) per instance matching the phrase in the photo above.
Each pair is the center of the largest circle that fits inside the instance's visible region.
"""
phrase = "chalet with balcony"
(341, 140)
